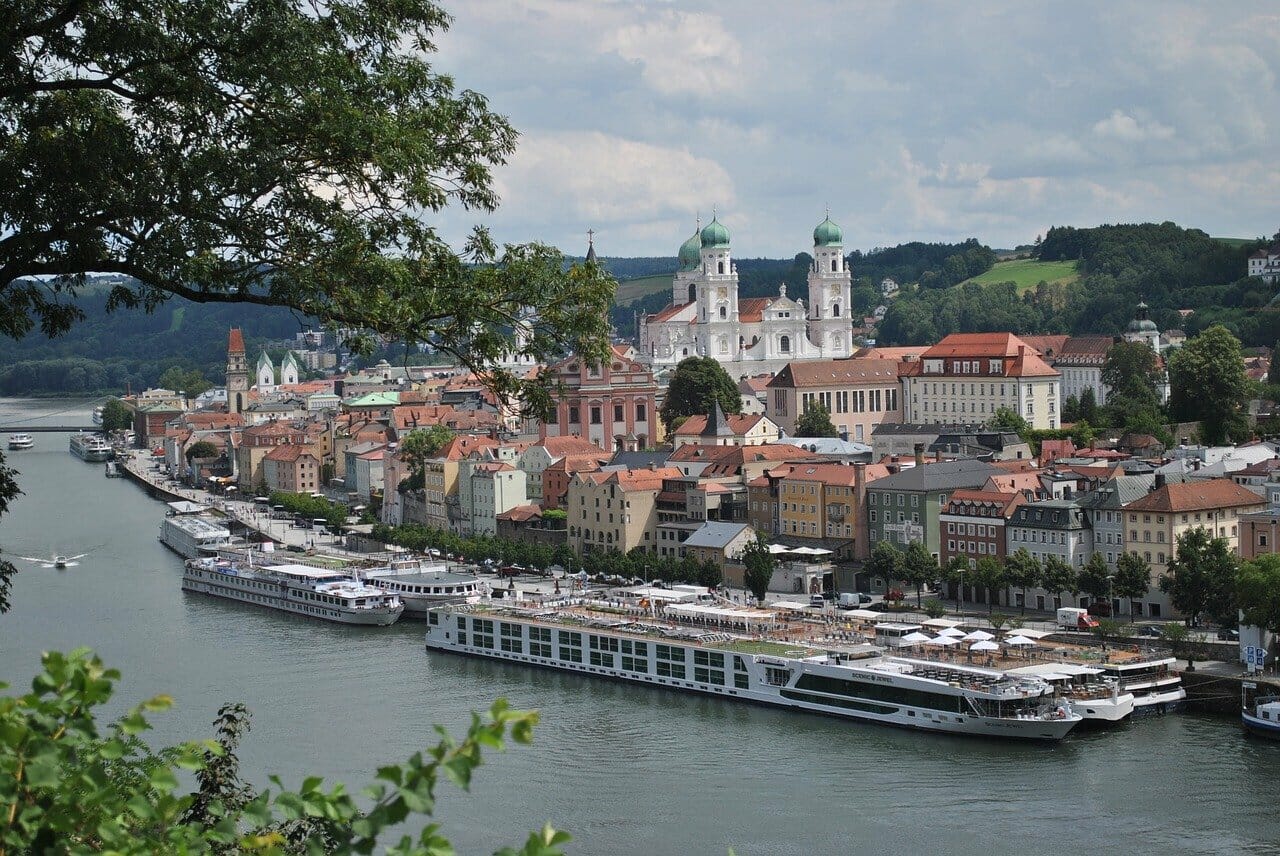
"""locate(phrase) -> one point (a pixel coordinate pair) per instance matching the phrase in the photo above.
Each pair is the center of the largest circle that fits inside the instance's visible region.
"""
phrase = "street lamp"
(960, 590)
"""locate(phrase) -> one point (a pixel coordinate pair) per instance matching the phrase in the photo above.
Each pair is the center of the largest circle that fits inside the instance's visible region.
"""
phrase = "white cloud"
(681, 53)
(1125, 128)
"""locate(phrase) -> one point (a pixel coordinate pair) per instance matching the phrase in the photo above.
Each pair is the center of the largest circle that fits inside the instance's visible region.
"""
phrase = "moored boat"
(93, 448)
(722, 651)
(21, 441)
(1156, 688)
(299, 589)
(423, 586)
(1091, 693)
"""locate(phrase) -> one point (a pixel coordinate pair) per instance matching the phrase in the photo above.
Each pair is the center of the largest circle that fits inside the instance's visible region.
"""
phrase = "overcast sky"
(912, 121)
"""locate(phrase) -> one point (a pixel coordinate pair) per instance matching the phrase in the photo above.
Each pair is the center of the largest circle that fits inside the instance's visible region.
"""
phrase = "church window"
(723, 341)
(618, 413)
(692, 292)
(595, 414)
(833, 265)
(642, 413)
(719, 267)
(835, 310)
(573, 416)
(784, 344)
(724, 313)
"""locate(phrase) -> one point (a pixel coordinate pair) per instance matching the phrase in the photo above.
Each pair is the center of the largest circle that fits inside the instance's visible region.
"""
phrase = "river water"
(624, 769)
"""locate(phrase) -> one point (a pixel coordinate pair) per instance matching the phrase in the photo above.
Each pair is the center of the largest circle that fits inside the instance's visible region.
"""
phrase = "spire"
(717, 423)
(591, 245)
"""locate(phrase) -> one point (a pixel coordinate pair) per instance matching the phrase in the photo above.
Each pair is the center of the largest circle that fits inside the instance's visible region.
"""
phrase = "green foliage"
(886, 562)
(1208, 385)
(998, 620)
(1028, 273)
(416, 447)
(1058, 577)
(696, 383)
(931, 265)
(167, 145)
(67, 785)
(311, 507)
(1258, 591)
(815, 421)
(116, 416)
(1022, 571)
(1132, 578)
(934, 608)
(8, 493)
(202, 449)
(1093, 578)
(1202, 577)
(1008, 420)
(758, 562)
(179, 379)
(917, 567)
(988, 574)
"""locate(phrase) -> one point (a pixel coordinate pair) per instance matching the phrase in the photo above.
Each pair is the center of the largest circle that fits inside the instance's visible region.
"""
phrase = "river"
(624, 769)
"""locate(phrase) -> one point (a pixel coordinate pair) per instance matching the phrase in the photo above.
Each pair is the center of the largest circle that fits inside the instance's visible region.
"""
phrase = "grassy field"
(176, 324)
(1028, 273)
(1235, 242)
(634, 289)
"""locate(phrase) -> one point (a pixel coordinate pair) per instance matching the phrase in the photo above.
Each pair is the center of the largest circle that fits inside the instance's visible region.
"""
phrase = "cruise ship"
(21, 441)
(93, 448)
(300, 589)
(746, 654)
(423, 587)
(1156, 687)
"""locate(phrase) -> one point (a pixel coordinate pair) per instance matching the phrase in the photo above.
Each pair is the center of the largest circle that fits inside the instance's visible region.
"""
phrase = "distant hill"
(1028, 273)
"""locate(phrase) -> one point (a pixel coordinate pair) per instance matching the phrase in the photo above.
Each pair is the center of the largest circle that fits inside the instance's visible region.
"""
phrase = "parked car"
(1229, 634)
(1151, 630)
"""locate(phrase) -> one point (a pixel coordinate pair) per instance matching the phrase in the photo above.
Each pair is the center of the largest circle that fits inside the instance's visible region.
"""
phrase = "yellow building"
(615, 510)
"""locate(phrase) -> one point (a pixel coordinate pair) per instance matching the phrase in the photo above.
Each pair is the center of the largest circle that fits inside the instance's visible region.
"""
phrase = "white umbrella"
(914, 638)
(979, 636)
(951, 631)
(984, 645)
(944, 641)
(1019, 641)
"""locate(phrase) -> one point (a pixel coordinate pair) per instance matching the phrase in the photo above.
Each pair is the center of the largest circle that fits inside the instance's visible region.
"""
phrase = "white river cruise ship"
(93, 448)
(747, 654)
(300, 589)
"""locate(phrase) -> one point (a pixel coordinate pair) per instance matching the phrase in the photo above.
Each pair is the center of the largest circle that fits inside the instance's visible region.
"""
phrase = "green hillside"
(1028, 273)
(633, 289)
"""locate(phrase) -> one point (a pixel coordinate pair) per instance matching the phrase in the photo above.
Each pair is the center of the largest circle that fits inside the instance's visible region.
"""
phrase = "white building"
(1265, 264)
(267, 372)
(753, 335)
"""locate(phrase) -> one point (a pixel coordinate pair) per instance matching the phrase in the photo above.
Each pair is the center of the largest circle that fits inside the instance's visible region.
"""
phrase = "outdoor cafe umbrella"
(1019, 641)
(951, 631)
(979, 636)
(944, 641)
(984, 645)
(914, 638)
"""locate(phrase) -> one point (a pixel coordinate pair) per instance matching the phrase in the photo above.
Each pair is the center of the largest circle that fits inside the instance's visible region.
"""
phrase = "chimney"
(1160, 481)
(844, 434)
(859, 480)
(1195, 464)
(919, 450)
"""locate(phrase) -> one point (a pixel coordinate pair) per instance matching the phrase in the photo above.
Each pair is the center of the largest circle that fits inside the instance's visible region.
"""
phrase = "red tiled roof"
(235, 341)
(520, 513)
(808, 373)
(739, 424)
(972, 345)
(668, 313)
(751, 309)
(1047, 346)
(1196, 496)
(288, 452)
(559, 447)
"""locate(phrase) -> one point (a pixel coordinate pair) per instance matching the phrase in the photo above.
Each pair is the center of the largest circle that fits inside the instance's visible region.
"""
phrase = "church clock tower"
(237, 372)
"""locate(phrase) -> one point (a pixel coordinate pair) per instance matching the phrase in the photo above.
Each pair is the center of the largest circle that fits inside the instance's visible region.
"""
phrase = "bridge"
(50, 429)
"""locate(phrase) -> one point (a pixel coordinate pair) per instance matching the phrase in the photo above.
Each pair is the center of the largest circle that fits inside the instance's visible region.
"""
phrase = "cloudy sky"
(911, 121)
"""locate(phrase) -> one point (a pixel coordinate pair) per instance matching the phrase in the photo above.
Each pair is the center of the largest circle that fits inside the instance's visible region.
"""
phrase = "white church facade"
(752, 335)
(267, 373)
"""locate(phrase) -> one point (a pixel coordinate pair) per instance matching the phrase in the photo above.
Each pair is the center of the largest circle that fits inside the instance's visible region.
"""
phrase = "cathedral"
(753, 335)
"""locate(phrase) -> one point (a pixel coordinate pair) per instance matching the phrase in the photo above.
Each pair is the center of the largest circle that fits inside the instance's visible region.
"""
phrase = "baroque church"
(753, 335)
(238, 390)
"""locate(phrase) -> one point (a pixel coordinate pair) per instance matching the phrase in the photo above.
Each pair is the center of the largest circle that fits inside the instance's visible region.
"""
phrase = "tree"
(180, 380)
(282, 154)
(1132, 578)
(116, 416)
(934, 608)
(1022, 571)
(1208, 384)
(885, 562)
(988, 574)
(1094, 579)
(201, 449)
(1058, 577)
(696, 383)
(70, 786)
(1178, 638)
(1130, 371)
(1088, 410)
(954, 573)
(758, 562)
(917, 567)
(1009, 420)
(1071, 409)
(1202, 578)
(419, 445)
(1258, 591)
(815, 421)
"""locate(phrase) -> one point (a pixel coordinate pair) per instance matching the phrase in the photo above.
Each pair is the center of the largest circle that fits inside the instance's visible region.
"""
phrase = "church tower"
(237, 372)
(830, 327)
(717, 295)
(289, 369)
(266, 374)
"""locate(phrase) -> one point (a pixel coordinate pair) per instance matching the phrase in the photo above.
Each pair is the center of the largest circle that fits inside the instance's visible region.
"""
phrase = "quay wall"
(1209, 691)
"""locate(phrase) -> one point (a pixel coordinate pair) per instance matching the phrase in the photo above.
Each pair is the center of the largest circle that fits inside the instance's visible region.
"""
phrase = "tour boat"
(725, 650)
(91, 447)
(1091, 693)
(194, 535)
(422, 587)
(300, 589)
(21, 441)
(1156, 688)
(1261, 715)
(97, 415)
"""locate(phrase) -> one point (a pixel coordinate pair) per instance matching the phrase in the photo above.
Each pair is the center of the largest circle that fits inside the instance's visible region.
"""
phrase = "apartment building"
(615, 509)
(858, 393)
(613, 405)
(968, 377)
(293, 469)
(905, 506)
(1154, 522)
(440, 480)
(973, 524)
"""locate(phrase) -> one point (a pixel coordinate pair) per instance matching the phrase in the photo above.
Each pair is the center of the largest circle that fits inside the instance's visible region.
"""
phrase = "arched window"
(834, 265)
(693, 292)
(784, 344)
(742, 343)
(724, 313)
(835, 310)
(719, 267)
(684, 352)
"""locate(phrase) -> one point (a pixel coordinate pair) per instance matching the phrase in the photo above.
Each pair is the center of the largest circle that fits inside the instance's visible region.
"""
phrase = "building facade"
(858, 393)
(613, 405)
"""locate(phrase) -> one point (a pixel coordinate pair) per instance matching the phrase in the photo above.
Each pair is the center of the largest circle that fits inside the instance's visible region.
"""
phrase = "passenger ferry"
(1091, 693)
(1260, 713)
(719, 650)
(422, 588)
(93, 448)
(1156, 688)
(21, 441)
(97, 414)
(300, 589)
